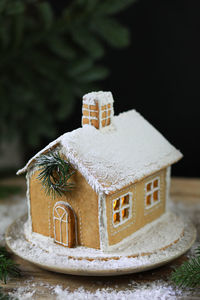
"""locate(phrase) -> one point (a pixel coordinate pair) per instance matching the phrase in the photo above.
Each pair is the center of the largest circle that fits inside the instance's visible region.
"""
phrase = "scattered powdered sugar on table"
(156, 290)
(22, 293)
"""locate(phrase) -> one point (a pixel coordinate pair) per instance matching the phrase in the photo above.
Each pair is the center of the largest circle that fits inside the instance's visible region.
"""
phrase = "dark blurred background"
(157, 74)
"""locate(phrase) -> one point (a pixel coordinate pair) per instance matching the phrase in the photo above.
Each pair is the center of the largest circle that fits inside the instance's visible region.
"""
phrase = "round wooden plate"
(93, 266)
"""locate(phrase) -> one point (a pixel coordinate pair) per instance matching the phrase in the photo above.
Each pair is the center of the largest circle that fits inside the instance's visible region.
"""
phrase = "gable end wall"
(82, 199)
(140, 216)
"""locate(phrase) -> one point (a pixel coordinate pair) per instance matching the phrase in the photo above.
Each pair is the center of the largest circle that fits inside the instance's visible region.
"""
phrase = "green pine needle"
(188, 274)
(198, 251)
(54, 174)
(7, 266)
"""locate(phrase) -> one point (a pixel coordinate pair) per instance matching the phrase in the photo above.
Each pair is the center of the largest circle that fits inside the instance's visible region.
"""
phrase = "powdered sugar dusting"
(113, 159)
(157, 290)
(22, 293)
(103, 98)
(73, 265)
(158, 234)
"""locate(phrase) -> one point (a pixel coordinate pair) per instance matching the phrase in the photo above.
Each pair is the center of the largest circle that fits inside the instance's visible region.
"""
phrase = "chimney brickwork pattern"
(98, 109)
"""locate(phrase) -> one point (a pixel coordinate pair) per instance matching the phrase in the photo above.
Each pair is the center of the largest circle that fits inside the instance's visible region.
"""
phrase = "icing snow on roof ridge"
(101, 97)
(58, 140)
(110, 160)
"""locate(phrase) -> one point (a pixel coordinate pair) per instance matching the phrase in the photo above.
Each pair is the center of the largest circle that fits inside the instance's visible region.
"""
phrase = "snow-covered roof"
(112, 159)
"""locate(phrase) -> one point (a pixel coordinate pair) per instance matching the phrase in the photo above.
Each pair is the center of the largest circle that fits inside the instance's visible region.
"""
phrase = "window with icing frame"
(152, 193)
(121, 209)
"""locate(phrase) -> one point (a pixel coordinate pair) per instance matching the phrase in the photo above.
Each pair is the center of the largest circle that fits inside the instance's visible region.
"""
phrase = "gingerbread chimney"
(98, 109)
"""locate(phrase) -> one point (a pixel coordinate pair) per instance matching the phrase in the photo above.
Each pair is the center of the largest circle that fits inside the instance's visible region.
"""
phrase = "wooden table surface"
(182, 190)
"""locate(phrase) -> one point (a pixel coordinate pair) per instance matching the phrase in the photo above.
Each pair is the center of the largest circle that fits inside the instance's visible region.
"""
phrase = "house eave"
(111, 192)
(94, 182)
(50, 147)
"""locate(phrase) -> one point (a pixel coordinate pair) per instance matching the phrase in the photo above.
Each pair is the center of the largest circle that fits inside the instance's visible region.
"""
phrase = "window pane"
(121, 210)
(155, 183)
(125, 200)
(148, 200)
(116, 204)
(125, 213)
(149, 186)
(155, 196)
(116, 218)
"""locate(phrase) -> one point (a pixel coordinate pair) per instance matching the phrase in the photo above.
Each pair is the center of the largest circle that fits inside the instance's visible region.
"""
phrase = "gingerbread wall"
(140, 215)
(82, 199)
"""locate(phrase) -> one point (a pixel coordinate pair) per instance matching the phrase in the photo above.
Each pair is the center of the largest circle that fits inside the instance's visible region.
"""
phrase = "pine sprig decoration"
(52, 59)
(197, 251)
(188, 274)
(7, 267)
(54, 173)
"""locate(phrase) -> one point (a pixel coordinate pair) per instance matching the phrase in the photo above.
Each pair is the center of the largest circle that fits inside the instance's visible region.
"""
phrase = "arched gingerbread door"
(64, 225)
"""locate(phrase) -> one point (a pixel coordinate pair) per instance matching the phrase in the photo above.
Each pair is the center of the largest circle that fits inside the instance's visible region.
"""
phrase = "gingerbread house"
(121, 179)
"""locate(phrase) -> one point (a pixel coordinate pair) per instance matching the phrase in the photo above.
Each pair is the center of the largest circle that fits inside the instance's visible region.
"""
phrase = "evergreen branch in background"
(6, 191)
(54, 173)
(7, 266)
(48, 60)
(197, 251)
(188, 274)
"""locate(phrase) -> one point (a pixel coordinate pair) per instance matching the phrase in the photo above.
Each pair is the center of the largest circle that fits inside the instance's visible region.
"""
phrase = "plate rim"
(102, 272)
